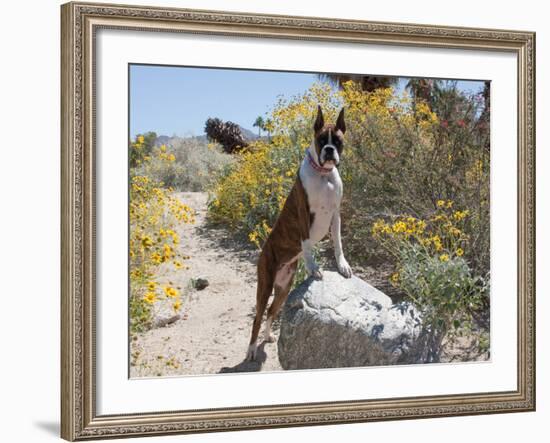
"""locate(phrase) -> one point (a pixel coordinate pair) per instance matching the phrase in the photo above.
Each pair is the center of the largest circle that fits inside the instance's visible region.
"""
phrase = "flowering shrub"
(441, 235)
(141, 148)
(431, 268)
(154, 212)
(251, 195)
(400, 159)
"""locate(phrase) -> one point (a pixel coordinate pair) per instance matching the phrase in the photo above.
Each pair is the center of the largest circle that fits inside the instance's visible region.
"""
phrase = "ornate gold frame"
(79, 21)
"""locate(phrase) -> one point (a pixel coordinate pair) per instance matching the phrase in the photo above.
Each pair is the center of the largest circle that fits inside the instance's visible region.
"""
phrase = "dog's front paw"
(344, 268)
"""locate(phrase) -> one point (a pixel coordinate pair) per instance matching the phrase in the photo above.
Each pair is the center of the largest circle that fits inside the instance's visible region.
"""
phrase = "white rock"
(338, 322)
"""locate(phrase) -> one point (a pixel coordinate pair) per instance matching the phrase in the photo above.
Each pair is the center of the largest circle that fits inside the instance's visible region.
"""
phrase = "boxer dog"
(311, 209)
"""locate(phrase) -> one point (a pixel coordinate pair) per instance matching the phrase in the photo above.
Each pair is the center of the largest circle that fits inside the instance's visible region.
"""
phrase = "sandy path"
(213, 334)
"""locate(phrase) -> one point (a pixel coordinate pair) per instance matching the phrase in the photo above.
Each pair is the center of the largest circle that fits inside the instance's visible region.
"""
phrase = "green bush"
(444, 289)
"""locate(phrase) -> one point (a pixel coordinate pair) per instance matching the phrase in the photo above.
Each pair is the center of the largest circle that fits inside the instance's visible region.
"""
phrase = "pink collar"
(314, 165)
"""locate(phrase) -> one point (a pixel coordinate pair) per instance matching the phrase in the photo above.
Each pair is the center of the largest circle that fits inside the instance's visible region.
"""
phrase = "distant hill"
(248, 134)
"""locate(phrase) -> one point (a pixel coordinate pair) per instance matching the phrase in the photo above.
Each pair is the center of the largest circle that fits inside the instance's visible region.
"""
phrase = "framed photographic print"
(281, 221)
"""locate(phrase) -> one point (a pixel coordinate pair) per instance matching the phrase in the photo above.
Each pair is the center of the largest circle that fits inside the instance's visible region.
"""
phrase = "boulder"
(337, 322)
(201, 283)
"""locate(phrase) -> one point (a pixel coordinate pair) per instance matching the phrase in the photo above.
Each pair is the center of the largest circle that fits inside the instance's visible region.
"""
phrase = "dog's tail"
(266, 279)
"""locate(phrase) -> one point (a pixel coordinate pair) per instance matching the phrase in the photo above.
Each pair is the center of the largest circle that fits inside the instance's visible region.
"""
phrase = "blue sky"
(178, 100)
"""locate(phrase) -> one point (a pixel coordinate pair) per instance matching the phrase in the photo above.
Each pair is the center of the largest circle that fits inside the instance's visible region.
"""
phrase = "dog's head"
(329, 139)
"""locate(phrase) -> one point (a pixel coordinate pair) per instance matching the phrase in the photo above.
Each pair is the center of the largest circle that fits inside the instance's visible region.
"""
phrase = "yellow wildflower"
(399, 227)
(378, 227)
(167, 249)
(459, 215)
(175, 238)
(170, 292)
(150, 298)
(437, 243)
(146, 241)
(394, 278)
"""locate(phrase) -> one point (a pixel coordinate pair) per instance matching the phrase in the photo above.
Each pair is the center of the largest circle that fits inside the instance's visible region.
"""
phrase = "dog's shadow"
(248, 366)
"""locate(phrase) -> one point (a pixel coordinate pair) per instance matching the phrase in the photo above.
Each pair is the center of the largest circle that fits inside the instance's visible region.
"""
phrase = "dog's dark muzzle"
(329, 154)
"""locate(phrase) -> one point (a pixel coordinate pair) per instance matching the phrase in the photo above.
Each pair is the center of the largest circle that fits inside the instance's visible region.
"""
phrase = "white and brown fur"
(311, 209)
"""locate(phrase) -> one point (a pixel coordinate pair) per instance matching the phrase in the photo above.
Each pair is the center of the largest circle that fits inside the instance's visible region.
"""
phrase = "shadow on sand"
(248, 366)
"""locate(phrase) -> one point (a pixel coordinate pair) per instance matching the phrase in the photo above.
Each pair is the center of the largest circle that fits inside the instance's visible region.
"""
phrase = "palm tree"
(260, 124)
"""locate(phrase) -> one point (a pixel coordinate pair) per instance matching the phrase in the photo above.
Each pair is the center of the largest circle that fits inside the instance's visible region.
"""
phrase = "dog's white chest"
(324, 193)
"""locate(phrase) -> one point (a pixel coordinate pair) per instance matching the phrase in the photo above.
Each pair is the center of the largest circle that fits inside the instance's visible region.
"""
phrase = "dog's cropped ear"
(340, 122)
(319, 121)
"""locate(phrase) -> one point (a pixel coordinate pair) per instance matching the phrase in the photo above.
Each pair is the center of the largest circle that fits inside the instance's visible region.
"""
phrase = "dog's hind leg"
(283, 282)
(265, 287)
